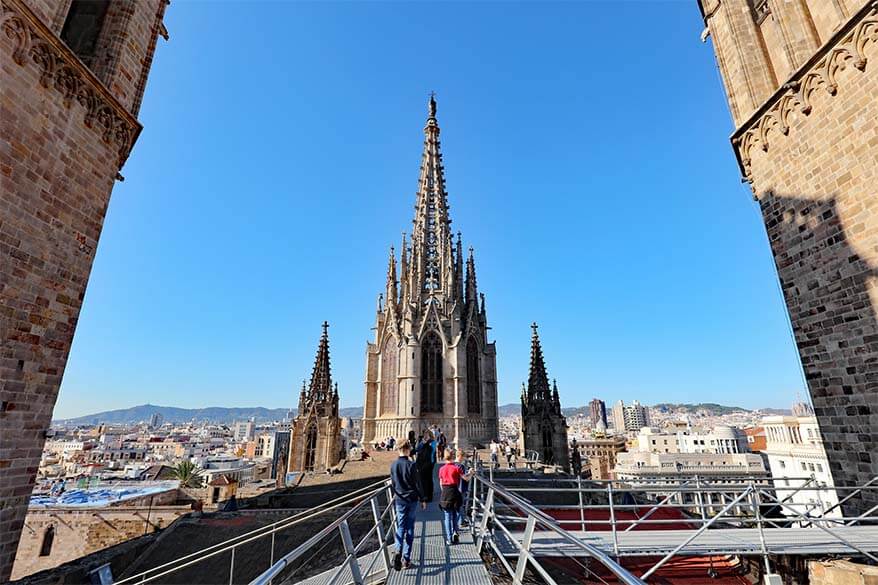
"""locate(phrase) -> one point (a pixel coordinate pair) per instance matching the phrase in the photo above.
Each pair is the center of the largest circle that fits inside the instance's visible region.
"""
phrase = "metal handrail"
(533, 517)
(340, 524)
(236, 541)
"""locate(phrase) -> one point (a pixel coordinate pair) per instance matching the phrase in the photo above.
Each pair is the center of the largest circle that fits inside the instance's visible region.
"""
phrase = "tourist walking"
(450, 499)
(495, 451)
(406, 488)
(441, 444)
(425, 458)
(464, 488)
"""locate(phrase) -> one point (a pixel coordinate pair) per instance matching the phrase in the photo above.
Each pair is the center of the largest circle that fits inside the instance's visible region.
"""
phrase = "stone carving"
(796, 96)
(62, 71)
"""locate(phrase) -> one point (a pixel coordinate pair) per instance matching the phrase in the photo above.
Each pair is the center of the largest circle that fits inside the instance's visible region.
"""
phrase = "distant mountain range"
(213, 414)
(223, 415)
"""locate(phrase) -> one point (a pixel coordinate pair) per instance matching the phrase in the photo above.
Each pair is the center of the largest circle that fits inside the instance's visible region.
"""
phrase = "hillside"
(213, 414)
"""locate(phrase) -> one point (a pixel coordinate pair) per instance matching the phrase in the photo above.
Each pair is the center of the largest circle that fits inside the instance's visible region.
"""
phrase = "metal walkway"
(434, 562)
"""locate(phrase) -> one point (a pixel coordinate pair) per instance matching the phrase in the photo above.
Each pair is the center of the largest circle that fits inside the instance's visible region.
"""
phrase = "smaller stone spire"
(392, 292)
(321, 376)
(458, 267)
(432, 104)
(538, 379)
(472, 289)
(403, 269)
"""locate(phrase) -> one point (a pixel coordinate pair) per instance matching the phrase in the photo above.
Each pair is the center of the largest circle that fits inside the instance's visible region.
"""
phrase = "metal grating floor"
(438, 564)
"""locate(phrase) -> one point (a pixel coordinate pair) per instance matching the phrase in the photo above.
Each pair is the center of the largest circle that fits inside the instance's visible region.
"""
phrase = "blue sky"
(587, 161)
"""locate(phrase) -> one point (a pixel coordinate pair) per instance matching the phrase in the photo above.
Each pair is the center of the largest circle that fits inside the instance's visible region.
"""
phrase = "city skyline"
(673, 297)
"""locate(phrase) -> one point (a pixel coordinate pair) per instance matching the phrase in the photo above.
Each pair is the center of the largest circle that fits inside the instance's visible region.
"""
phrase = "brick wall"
(63, 138)
(80, 532)
(810, 151)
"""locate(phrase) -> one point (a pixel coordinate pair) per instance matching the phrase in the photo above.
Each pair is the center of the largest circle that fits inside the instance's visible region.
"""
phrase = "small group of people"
(411, 478)
(503, 448)
(386, 445)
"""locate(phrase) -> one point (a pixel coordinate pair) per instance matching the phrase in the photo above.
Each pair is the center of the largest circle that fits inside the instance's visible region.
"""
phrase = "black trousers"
(426, 475)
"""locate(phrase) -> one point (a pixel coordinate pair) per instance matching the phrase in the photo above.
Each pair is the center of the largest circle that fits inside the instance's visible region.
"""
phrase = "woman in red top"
(450, 499)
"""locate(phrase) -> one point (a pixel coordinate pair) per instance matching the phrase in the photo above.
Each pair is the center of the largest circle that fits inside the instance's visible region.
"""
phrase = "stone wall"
(64, 134)
(809, 148)
(841, 573)
(80, 532)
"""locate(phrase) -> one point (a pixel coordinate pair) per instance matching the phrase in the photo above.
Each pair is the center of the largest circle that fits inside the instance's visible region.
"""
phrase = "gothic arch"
(473, 377)
(432, 379)
(310, 458)
(389, 376)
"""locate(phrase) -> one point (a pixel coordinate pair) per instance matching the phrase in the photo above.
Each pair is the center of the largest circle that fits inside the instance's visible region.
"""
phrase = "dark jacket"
(404, 479)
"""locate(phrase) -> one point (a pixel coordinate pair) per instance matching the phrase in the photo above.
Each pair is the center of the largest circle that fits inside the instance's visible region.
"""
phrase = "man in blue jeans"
(407, 489)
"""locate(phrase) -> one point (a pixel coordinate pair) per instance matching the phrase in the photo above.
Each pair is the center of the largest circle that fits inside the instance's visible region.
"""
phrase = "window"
(311, 448)
(83, 27)
(804, 467)
(389, 382)
(810, 467)
(48, 539)
(819, 468)
(473, 377)
(431, 373)
(760, 10)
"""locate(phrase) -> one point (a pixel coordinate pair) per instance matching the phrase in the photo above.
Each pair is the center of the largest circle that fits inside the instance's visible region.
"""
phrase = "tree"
(188, 473)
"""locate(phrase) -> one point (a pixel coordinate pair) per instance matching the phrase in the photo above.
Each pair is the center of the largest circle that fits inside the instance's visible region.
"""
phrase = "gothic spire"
(403, 269)
(472, 290)
(392, 293)
(321, 377)
(538, 380)
(458, 268)
(431, 234)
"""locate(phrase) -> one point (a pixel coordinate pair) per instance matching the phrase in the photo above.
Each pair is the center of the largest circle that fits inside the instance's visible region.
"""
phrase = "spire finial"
(326, 328)
(432, 105)
(534, 326)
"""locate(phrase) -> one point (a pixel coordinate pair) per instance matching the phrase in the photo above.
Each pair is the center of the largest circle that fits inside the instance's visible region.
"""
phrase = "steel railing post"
(351, 553)
(581, 508)
(700, 500)
(486, 514)
(232, 566)
(379, 534)
(521, 565)
(756, 502)
(613, 520)
(272, 553)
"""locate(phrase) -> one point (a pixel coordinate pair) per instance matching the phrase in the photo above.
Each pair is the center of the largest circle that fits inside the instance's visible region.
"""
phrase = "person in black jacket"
(406, 487)
(425, 458)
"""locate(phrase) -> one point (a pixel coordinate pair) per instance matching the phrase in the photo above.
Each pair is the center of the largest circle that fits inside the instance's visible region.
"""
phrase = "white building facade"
(795, 454)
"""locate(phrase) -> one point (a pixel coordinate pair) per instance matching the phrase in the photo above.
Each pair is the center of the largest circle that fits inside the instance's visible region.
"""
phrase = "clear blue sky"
(587, 160)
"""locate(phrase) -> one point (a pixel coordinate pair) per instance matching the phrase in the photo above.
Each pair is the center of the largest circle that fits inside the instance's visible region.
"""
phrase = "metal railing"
(351, 561)
(741, 502)
(356, 498)
(487, 495)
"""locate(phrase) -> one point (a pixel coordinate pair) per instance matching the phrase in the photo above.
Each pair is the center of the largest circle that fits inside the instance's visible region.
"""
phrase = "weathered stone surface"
(810, 152)
(65, 130)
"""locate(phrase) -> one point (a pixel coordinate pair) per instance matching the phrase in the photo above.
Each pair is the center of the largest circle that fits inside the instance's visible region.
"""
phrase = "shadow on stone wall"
(826, 283)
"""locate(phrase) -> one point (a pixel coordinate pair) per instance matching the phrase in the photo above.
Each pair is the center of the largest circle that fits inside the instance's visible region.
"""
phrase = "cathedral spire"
(472, 290)
(392, 293)
(538, 380)
(458, 268)
(403, 270)
(431, 234)
(321, 377)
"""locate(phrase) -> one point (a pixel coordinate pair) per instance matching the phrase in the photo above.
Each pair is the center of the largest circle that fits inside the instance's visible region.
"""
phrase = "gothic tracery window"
(431, 373)
(83, 27)
(310, 447)
(473, 378)
(389, 384)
